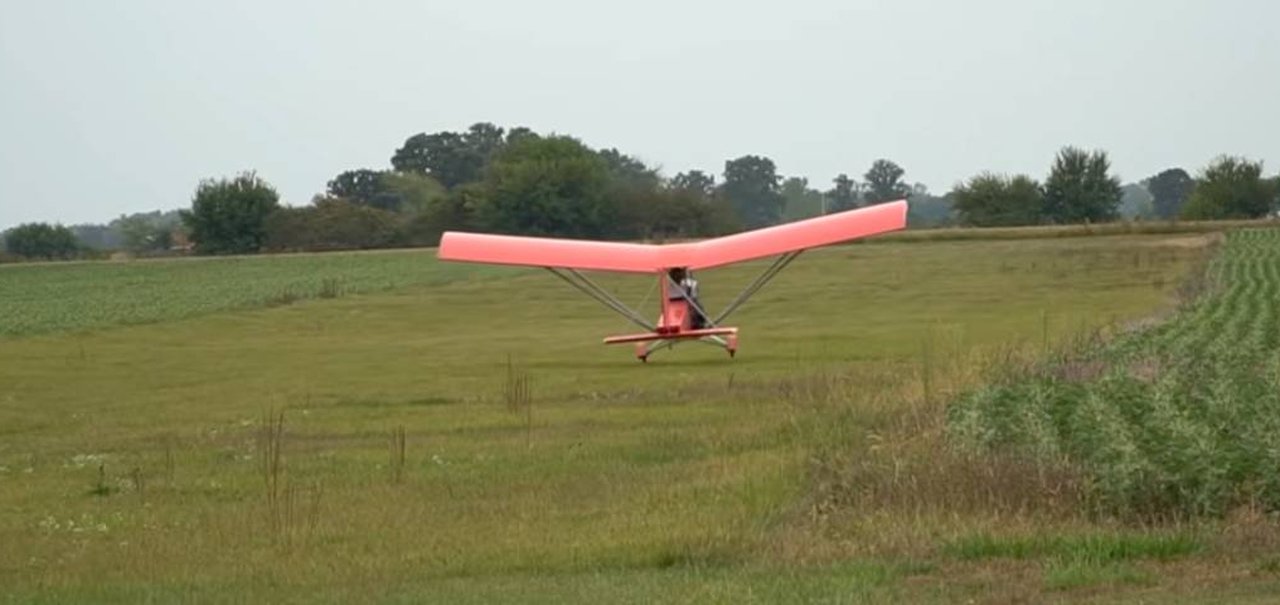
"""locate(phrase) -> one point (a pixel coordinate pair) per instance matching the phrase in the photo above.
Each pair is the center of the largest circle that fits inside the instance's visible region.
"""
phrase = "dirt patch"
(1188, 242)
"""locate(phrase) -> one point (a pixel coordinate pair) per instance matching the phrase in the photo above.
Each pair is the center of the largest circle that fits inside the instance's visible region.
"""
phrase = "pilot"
(686, 287)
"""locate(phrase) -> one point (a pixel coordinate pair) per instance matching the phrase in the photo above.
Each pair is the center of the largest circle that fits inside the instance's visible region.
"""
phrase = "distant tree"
(455, 210)
(442, 155)
(519, 132)
(330, 223)
(547, 186)
(1275, 194)
(41, 241)
(1136, 202)
(632, 187)
(97, 237)
(928, 210)
(1081, 189)
(751, 184)
(695, 181)
(629, 170)
(143, 234)
(361, 186)
(689, 206)
(884, 183)
(1170, 190)
(484, 139)
(1230, 188)
(407, 193)
(844, 195)
(990, 200)
(801, 201)
(451, 158)
(228, 216)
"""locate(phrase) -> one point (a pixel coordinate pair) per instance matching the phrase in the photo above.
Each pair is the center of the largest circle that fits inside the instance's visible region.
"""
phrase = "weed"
(1094, 548)
(100, 486)
(139, 483)
(1068, 574)
(330, 287)
(518, 394)
(396, 454)
(292, 510)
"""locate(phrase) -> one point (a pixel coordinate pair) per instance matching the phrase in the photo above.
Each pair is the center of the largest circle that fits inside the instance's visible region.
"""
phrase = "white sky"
(115, 107)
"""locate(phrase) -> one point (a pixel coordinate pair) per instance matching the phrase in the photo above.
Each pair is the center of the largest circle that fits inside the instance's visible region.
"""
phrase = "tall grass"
(1181, 419)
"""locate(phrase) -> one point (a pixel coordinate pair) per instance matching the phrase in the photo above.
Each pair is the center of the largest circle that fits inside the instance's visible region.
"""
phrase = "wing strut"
(778, 265)
(584, 284)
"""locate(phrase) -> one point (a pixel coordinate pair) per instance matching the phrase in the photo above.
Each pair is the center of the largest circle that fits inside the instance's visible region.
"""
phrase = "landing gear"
(731, 345)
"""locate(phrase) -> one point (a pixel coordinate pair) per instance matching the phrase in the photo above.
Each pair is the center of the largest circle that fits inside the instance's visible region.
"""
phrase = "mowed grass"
(135, 464)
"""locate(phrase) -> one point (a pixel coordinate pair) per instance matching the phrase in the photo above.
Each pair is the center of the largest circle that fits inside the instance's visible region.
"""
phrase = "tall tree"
(361, 186)
(228, 216)
(634, 188)
(844, 195)
(801, 201)
(41, 241)
(884, 182)
(695, 181)
(990, 200)
(1169, 191)
(484, 139)
(455, 210)
(407, 192)
(547, 186)
(1230, 188)
(519, 132)
(1081, 189)
(751, 184)
(628, 172)
(451, 158)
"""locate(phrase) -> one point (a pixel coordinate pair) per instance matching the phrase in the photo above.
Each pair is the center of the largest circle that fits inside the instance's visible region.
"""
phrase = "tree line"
(1080, 188)
(516, 181)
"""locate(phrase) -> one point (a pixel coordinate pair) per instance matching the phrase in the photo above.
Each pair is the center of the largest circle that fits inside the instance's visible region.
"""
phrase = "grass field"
(173, 430)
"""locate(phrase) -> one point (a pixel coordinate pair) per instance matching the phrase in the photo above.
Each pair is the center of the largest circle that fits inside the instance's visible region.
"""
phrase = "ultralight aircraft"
(681, 317)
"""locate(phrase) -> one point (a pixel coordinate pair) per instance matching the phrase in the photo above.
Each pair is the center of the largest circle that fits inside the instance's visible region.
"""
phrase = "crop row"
(1183, 418)
(58, 297)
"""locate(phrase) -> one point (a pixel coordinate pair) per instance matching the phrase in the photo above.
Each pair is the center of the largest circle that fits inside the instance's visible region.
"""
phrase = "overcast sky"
(116, 107)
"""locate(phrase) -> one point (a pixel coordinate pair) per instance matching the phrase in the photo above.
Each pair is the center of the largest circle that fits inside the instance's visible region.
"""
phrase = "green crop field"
(936, 421)
(58, 297)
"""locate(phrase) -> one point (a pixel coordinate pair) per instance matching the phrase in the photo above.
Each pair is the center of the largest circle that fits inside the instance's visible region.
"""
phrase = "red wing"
(645, 258)
(549, 252)
(800, 235)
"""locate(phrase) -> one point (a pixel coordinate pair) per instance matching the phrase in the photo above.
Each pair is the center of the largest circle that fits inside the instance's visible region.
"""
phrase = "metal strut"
(778, 265)
(590, 288)
(712, 340)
